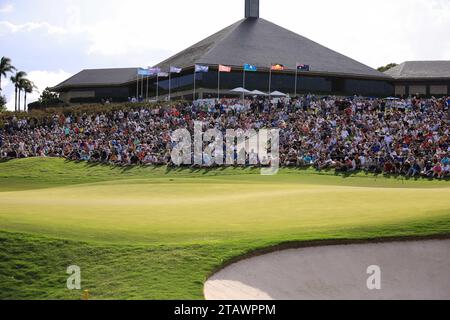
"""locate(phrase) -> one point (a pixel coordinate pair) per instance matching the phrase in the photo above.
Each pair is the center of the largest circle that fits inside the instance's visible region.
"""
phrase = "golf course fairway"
(159, 233)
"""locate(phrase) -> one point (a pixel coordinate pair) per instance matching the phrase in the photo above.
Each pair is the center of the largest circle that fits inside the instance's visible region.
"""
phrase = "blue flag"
(249, 67)
(143, 72)
(175, 70)
(199, 68)
(154, 71)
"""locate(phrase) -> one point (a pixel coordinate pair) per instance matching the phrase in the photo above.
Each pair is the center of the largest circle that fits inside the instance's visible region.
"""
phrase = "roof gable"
(421, 70)
(262, 43)
(194, 54)
(98, 77)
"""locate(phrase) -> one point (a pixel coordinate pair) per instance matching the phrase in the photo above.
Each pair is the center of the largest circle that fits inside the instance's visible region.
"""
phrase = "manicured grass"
(157, 233)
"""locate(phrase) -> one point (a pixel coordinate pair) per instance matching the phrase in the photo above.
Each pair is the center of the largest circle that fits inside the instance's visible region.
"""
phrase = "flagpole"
(296, 79)
(243, 87)
(194, 84)
(137, 86)
(157, 87)
(270, 82)
(170, 69)
(218, 83)
(146, 94)
(142, 87)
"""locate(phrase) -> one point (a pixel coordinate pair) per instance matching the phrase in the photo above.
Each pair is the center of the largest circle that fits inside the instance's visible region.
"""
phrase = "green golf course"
(159, 232)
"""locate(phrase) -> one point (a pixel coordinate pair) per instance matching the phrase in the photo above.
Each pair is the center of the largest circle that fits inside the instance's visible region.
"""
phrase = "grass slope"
(156, 233)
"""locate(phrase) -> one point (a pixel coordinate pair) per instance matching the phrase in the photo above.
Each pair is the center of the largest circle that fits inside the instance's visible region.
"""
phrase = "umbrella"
(258, 93)
(240, 90)
(278, 94)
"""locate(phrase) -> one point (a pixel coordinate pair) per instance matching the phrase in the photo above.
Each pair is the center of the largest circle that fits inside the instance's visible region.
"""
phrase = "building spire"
(252, 8)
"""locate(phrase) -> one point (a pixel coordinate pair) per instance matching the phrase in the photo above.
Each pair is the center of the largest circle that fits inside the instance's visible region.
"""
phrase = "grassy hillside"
(157, 233)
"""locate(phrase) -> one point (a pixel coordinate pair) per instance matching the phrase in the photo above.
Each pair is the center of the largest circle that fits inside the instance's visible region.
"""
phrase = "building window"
(438, 90)
(338, 85)
(400, 90)
(421, 90)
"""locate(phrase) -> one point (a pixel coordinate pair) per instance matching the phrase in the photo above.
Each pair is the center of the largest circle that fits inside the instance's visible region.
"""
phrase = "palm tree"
(15, 83)
(16, 79)
(5, 67)
(28, 87)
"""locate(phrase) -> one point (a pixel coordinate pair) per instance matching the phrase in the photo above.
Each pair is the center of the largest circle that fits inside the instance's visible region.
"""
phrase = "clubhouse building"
(425, 78)
(261, 44)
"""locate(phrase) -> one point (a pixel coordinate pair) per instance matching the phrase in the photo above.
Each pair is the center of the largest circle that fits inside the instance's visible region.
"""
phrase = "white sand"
(409, 270)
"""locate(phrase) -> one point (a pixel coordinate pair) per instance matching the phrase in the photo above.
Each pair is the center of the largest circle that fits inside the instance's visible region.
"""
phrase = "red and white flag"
(224, 68)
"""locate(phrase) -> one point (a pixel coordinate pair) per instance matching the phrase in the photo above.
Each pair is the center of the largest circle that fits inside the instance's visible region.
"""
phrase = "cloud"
(42, 80)
(114, 33)
(7, 8)
(138, 27)
(142, 32)
(8, 27)
(373, 32)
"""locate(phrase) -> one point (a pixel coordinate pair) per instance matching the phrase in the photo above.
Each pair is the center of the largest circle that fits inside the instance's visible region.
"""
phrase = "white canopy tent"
(240, 90)
(278, 94)
(258, 93)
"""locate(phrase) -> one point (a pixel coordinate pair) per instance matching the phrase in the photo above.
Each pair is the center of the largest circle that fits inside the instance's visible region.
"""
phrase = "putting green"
(158, 233)
(184, 211)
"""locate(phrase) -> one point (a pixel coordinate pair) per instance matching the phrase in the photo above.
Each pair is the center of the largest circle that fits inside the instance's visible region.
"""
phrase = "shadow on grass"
(168, 169)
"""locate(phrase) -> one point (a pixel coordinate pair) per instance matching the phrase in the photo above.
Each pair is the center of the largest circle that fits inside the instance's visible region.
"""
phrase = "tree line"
(20, 81)
(387, 67)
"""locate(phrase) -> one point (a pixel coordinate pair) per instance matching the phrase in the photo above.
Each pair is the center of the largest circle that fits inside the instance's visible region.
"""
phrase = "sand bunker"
(409, 270)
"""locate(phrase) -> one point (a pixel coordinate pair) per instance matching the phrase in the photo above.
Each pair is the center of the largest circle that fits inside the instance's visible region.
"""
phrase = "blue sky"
(53, 39)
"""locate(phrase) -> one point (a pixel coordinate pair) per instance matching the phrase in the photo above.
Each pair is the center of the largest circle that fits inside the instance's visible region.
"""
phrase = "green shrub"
(39, 112)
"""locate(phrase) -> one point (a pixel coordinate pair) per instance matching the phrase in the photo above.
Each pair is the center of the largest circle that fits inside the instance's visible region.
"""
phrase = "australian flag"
(303, 67)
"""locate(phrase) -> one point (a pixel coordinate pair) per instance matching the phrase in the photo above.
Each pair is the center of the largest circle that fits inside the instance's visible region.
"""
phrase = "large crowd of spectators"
(407, 137)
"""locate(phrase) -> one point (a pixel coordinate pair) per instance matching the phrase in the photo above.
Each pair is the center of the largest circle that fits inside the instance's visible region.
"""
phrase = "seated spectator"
(346, 135)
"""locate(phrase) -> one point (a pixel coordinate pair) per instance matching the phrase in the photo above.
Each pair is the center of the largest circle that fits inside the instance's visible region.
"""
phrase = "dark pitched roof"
(262, 43)
(196, 53)
(100, 77)
(421, 70)
(255, 41)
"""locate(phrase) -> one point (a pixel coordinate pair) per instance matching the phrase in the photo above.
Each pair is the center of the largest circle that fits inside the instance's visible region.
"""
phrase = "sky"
(53, 39)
